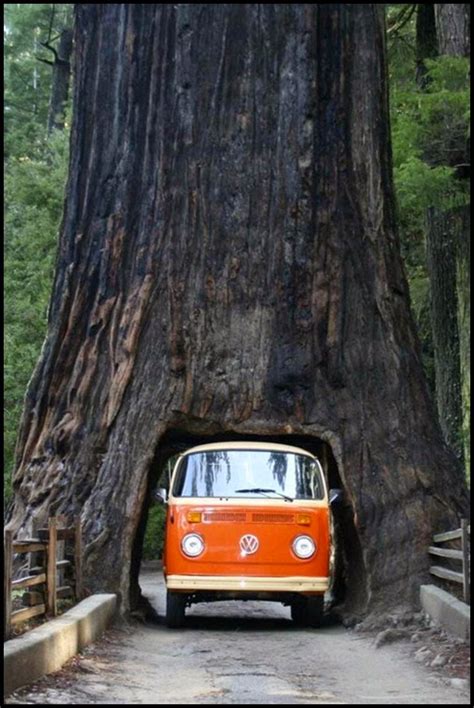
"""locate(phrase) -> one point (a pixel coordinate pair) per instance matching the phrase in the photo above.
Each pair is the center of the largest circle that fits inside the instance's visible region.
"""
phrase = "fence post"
(33, 557)
(465, 560)
(51, 567)
(7, 560)
(78, 558)
(61, 522)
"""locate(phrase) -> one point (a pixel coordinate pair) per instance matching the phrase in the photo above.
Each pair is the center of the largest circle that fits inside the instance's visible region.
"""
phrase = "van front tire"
(175, 609)
(308, 611)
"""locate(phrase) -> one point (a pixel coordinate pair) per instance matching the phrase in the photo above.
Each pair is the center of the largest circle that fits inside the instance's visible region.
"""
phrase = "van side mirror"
(335, 496)
(160, 495)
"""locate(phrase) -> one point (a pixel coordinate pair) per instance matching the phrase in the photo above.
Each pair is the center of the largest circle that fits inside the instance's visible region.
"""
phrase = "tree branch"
(51, 49)
(403, 18)
(45, 61)
(55, 38)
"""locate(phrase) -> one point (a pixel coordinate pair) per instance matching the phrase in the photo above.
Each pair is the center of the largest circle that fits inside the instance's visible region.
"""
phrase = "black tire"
(308, 611)
(175, 609)
(298, 612)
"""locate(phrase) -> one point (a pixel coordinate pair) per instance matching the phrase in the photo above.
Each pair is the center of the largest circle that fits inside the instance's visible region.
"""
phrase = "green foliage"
(430, 129)
(154, 534)
(34, 197)
(35, 176)
(420, 186)
(27, 76)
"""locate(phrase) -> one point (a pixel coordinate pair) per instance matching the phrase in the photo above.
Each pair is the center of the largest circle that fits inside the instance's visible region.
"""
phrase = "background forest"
(429, 98)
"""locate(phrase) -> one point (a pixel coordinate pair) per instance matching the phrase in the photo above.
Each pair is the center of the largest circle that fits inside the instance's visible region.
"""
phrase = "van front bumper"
(301, 584)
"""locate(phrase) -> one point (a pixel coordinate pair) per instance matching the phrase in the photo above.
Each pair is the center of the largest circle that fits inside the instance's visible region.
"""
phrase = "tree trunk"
(426, 41)
(453, 28)
(442, 235)
(462, 218)
(61, 74)
(229, 267)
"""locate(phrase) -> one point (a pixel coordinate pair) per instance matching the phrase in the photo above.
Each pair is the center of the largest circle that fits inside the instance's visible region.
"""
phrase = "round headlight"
(304, 547)
(192, 545)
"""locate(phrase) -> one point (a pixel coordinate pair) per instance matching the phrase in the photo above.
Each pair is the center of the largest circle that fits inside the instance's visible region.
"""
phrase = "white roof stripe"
(243, 445)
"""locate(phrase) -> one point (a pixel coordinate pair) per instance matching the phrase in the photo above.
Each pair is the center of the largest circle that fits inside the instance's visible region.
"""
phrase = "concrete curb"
(46, 648)
(445, 610)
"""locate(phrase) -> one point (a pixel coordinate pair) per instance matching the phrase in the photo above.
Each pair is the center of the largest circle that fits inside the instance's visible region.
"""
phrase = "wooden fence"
(44, 570)
(462, 555)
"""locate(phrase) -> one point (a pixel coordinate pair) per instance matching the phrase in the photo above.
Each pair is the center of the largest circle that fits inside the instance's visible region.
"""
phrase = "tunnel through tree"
(229, 265)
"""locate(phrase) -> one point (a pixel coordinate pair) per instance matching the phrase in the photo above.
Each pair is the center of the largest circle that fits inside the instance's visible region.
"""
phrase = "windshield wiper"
(259, 490)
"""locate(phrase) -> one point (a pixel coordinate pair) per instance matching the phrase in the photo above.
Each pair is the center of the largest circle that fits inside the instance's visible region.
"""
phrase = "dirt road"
(241, 653)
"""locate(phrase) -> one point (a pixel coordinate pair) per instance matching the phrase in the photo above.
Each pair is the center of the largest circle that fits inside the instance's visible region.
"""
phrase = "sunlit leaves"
(35, 175)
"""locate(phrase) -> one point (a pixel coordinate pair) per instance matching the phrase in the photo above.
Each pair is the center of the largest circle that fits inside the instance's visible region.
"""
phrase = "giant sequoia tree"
(228, 266)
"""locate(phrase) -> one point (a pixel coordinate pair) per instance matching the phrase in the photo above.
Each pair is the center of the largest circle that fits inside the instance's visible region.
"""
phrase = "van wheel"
(308, 611)
(175, 608)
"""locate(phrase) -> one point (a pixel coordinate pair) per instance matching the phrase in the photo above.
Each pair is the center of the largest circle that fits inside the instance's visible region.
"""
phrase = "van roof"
(243, 445)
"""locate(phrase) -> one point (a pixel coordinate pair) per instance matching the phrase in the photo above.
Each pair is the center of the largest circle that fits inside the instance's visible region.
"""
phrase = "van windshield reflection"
(248, 473)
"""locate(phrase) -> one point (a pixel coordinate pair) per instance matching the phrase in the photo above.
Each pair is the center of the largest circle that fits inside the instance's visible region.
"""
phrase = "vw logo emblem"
(248, 544)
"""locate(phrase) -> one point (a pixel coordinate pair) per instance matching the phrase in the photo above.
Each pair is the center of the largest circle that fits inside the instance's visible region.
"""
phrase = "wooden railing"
(43, 599)
(461, 554)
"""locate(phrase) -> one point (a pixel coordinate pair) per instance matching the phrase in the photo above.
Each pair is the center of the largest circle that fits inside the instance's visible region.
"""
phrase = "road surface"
(243, 653)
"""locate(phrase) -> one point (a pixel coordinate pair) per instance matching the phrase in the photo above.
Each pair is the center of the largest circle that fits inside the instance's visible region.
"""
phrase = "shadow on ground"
(229, 622)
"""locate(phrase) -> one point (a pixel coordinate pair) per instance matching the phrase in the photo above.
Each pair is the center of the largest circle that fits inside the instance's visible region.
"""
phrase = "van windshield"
(247, 474)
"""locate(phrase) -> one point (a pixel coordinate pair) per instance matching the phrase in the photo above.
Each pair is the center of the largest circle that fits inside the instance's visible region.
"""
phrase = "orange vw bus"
(247, 520)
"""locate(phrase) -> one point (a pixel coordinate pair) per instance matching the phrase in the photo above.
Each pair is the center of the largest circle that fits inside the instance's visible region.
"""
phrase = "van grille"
(273, 518)
(224, 516)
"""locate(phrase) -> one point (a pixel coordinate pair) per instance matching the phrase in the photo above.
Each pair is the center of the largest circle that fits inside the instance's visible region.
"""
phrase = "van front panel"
(248, 539)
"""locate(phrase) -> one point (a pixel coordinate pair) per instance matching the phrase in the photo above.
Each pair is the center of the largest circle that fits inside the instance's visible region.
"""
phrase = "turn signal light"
(303, 519)
(194, 517)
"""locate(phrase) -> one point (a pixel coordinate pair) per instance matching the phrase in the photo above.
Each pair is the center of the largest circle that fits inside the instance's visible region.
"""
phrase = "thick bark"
(441, 239)
(462, 217)
(61, 76)
(228, 265)
(453, 28)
